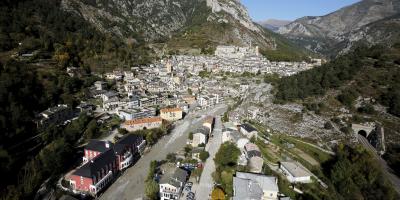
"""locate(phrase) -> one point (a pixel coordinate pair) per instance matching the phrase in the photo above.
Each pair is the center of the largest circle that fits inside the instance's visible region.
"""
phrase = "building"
(103, 160)
(142, 123)
(100, 85)
(252, 150)
(209, 123)
(256, 164)
(254, 187)
(95, 174)
(95, 148)
(200, 136)
(135, 113)
(171, 185)
(189, 99)
(248, 130)
(295, 172)
(55, 115)
(128, 150)
(171, 114)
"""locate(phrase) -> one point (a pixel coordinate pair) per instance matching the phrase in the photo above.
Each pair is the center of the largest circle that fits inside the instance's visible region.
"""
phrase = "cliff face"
(320, 34)
(156, 19)
(152, 18)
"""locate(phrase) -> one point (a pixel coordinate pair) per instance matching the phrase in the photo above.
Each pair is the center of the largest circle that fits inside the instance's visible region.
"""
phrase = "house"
(254, 187)
(95, 174)
(109, 95)
(252, 150)
(209, 123)
(128, 150)
(54, 115)
(135, 113)
(196, 152)
(256, 164)
(295, 172)
(142, 123)
(100, 85)
(171, 114)
(248, 130)
(103, 160)
(95, 148)
(200, 136)
(171, 185)
(189, 99)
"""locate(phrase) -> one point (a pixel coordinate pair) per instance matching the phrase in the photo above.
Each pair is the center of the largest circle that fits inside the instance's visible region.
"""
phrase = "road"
(130, 185)
(386, 169)
(203, 189)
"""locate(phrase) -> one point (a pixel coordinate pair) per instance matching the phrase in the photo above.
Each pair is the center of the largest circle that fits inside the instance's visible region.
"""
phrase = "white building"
(171, 185)
(295, 172)
(254, 187)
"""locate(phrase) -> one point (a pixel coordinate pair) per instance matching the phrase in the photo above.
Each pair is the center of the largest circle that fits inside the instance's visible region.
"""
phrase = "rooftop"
(164, 110)
(143, 120)
(296, 169)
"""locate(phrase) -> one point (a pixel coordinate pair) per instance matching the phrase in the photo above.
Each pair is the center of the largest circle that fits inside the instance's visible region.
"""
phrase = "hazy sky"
(292, 9)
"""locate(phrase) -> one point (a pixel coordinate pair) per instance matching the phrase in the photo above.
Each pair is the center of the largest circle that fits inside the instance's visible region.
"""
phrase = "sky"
(261, 10)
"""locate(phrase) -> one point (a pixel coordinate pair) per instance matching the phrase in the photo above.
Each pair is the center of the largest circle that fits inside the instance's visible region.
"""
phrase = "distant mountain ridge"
(274, 24)
(323, 33)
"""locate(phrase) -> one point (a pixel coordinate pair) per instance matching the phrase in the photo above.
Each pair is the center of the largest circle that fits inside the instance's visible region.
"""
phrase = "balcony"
(126, 160)
(102, 183)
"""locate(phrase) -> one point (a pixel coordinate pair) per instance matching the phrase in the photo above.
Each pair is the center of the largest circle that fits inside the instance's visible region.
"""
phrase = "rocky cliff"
(320, 34)
(196, 24)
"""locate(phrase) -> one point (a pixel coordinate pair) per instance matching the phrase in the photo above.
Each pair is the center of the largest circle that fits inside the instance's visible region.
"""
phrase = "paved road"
(386, 169)
(131, 184)
(203, 189)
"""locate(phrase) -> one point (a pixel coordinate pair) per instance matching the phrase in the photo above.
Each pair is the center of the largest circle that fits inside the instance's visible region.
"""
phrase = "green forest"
(372, 71)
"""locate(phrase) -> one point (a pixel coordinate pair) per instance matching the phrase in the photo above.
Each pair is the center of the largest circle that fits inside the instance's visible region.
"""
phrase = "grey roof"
(264, 183)
(296, 169)
(203, 130)
(246, 189)
(127, 141)
(91, 168)
(175, 179)
(99, 146)
(180, 174)
(248, 127)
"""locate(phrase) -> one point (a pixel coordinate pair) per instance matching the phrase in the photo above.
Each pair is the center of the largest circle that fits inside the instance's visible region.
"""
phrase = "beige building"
(171, 114)
(143, 123)
(209, 123)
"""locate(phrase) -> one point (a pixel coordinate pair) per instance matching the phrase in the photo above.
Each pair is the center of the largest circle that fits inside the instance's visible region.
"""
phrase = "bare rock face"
(153, 18)
(161, 19)
(322, 33)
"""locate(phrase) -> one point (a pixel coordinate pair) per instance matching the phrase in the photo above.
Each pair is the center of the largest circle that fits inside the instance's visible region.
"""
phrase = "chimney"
(107, 144)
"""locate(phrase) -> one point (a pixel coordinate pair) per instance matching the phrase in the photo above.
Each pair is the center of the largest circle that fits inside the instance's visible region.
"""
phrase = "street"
(130, 185)
(203, 189)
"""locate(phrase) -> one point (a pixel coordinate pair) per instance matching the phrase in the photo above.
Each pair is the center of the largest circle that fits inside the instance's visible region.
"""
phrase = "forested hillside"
(28, 156)
(372, 72)
(43, 28)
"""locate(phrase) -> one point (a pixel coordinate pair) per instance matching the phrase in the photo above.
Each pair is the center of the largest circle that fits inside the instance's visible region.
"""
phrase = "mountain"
(181, 25)
(323, 33)
(274, 24)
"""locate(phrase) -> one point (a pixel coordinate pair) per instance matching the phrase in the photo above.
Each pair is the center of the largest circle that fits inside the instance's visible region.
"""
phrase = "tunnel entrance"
(363, 133)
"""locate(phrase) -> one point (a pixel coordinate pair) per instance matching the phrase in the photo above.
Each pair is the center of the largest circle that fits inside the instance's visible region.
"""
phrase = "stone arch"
(362, 133)
(363, 130)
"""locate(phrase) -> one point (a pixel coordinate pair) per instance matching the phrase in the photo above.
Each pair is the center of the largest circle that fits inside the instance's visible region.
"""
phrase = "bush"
(204, 155)
(328, 125)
